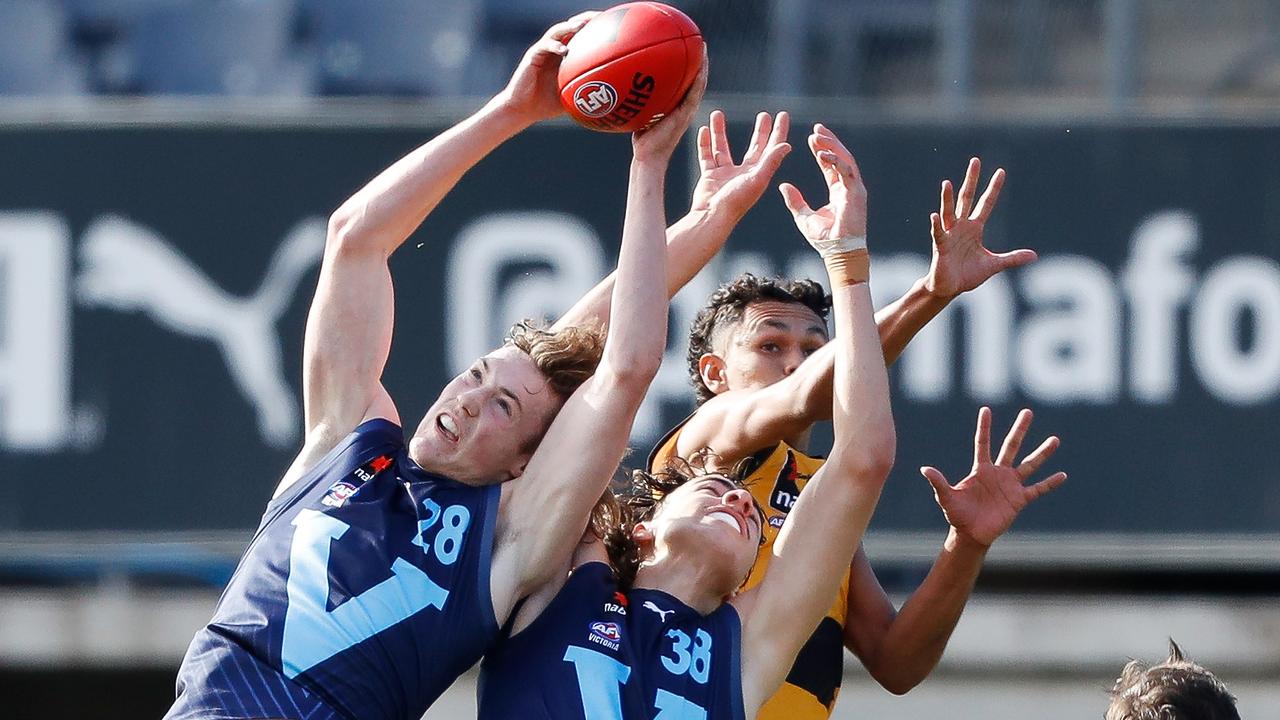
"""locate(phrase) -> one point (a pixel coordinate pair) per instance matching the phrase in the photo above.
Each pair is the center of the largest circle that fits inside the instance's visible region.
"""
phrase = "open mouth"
(729, 519)
(447, 427)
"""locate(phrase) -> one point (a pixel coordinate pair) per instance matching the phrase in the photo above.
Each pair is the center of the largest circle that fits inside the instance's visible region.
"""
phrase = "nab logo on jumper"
(363, 594)
(786, 488)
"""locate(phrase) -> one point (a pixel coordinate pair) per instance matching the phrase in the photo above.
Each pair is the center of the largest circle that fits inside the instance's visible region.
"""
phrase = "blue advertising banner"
(154, 282)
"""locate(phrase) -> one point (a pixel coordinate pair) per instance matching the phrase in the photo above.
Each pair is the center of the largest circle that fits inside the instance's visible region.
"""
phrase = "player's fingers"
(781, 126)
(947, 205)
(987, 202)
(794, 200)
(565, 30)
(1032, 463)
(968, 188)
(1015, 258)
(935, 228)
(842, 166)
(680, 117)
(771, 161)
(759, 136)
(941, 487)
(1049, 484)
(705, 160)
(826, 133)
(720, 139)
(823, 158)
(546, 46)
(1013, 441)
(982, 438)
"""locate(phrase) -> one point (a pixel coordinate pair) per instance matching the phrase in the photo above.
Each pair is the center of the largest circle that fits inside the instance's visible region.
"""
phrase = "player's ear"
(517, 467)
(712, 369)
(642, 535)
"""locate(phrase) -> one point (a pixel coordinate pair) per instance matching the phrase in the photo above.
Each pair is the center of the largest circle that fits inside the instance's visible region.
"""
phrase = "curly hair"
(1176, 689)
(621, 507)
(567, 357)
(727, 304)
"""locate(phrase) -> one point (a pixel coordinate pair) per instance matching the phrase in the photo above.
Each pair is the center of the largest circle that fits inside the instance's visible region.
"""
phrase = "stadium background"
(166, 167)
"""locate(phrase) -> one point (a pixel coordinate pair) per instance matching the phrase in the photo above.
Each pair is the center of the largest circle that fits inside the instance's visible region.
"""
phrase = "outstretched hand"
(984, 504)
(960, 261)
(734, 188)
(845, 214)
(532, 93)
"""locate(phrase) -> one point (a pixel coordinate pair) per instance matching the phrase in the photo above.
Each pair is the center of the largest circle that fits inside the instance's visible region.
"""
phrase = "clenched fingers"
(565, 30)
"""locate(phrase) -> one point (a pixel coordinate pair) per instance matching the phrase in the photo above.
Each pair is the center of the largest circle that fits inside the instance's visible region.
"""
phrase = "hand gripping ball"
(629, 66)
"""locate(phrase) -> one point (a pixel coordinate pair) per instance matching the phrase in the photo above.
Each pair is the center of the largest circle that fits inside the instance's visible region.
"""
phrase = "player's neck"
(685, 578)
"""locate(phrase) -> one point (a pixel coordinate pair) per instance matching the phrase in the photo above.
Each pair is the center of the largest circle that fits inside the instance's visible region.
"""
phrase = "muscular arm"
(901, 648)
(349, 326)
(724, 193)
(691, 243)
(827, 522)
(544, 511)
(739, 422)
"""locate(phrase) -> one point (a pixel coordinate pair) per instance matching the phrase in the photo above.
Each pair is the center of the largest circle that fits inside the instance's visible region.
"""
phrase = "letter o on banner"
(1232, 373)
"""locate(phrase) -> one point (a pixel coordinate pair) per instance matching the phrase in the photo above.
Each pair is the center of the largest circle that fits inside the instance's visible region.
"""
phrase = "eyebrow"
(779, 325)
(484, 364)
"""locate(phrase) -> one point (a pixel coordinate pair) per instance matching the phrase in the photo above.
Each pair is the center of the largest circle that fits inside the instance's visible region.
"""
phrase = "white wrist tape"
(827, 247)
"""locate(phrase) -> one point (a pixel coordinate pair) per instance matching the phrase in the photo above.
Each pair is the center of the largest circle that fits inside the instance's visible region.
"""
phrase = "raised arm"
(900, 649)
(349, 326)
(739, 422)
(724, 193)
(544, 511)
(824, 528)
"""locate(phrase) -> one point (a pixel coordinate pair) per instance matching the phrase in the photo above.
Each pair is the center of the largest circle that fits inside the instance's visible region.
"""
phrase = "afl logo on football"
(595, 98)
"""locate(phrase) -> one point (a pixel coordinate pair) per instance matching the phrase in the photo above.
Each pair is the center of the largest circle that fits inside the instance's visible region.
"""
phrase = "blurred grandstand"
(95, 615)
(1122, 52)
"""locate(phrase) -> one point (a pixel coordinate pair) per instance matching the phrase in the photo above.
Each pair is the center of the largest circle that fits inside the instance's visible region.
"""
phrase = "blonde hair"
(567, 357)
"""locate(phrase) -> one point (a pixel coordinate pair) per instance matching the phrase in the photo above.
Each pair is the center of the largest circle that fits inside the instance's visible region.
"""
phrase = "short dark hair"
(624, 505)
(1176, 689)
(727, 304)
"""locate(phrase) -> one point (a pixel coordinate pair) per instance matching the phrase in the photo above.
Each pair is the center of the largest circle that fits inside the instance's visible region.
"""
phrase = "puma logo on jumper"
(662, 614)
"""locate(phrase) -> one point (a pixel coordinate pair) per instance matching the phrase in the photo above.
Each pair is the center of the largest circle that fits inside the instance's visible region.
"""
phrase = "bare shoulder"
(325, 437)
(703, 427)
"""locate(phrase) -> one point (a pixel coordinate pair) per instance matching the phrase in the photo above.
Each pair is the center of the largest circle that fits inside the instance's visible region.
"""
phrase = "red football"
(630, 66)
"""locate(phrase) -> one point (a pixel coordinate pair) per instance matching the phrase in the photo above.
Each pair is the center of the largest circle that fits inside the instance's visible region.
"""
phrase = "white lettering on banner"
(1067, 347)
(128, 267)
(35, 332)
(562, 259)
(1067, 344)
(1071, 353)
(1157, 282)
(1232, 287)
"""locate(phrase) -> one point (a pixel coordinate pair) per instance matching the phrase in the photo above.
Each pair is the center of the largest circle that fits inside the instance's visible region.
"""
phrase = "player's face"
(712, 517)
(771, 341)
(480, 429)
